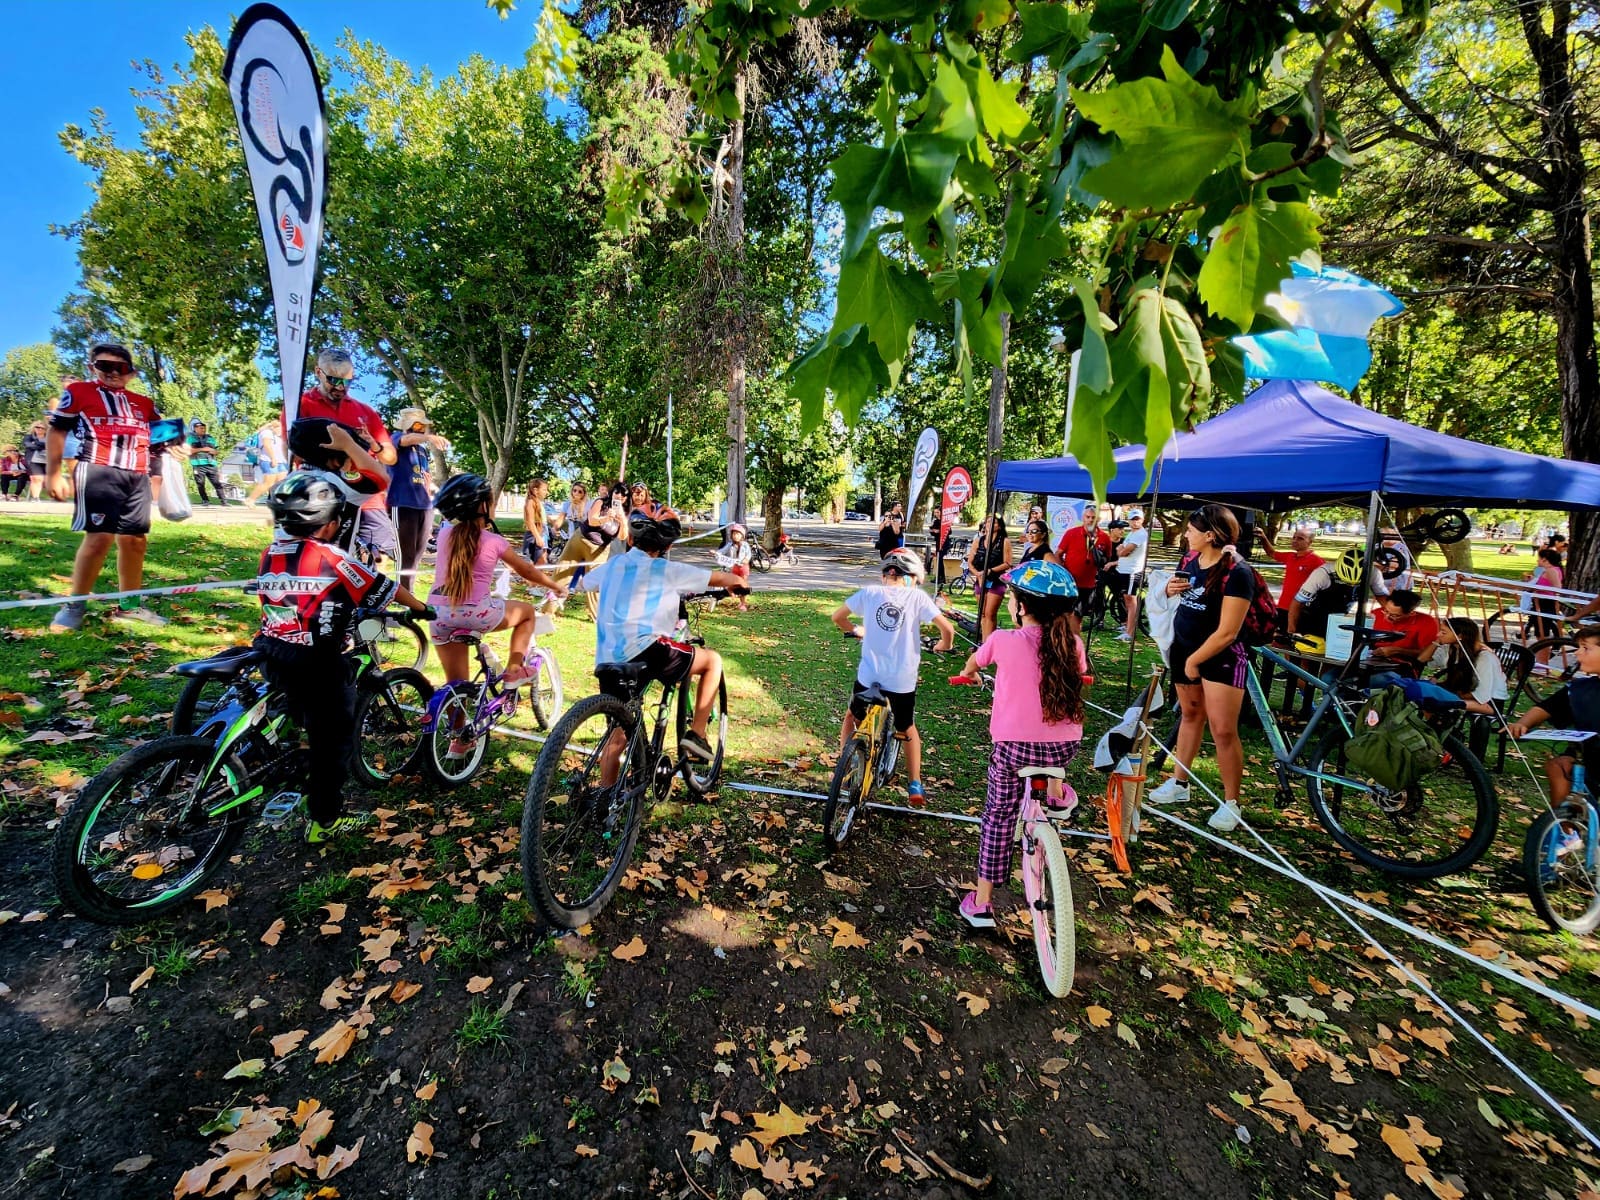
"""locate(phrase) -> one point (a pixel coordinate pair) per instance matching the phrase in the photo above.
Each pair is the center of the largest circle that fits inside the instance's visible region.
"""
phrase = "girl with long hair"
(1037, 718)
(470, 548)
(1471, 670)
(990, 559)
(1214, 590)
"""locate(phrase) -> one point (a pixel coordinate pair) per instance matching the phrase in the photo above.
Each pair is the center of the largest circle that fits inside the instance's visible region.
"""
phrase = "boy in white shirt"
(893, 615)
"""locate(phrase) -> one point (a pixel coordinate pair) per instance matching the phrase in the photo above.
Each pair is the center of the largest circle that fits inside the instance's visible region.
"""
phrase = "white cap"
(1135, 512)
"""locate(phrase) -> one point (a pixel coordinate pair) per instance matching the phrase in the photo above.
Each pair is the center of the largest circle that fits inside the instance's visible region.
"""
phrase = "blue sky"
(61, 58)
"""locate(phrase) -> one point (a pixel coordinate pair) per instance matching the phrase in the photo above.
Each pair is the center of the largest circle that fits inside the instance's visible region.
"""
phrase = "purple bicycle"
(461, 715)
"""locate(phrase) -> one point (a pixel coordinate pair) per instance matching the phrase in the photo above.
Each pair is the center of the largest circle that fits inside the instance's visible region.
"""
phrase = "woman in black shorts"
(1214, 590)
(989, 560)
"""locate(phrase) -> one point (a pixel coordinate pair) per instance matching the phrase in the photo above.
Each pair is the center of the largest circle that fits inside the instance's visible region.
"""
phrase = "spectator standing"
(1298, 563)
(331, 398)
(203, 461)
(989, 559)
(33, 457)
(410, 490)
(1131, 556)
(1083, 550)
(272, 460)
(536, 524)
(112, 503)
(891, 531)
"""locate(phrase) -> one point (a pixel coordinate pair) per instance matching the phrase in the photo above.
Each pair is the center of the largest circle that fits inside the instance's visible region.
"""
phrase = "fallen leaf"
(273, 933)
(781, 1124)
(776, 1170)
(976, 1005)
(420, 1143)
(403, 991)
(248, 1069)
(630, 951)
(1172, 991)
(1126, 1035)
(845, 936)
(479, 983)
(335, 1043)
(700, 1140)
(214, 898)
(892, 1163)
(1489, 1114)
(142, 978)
(1401, 1145)
(586, 1151)
(428, 1090)
(1337, 1141)
(284, 1043)
(1097, 1131)
(330, 1165)
(1099, 1017)
(1420, 1136)
(131, 1166)
(744, 1154)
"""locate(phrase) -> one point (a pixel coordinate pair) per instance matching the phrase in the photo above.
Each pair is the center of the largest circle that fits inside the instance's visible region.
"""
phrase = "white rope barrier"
(182, 589)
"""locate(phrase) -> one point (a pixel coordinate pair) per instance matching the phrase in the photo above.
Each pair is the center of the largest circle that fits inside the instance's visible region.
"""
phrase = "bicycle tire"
(391, 708)
(1550, 875)
(545, 812)
(1538, 686)
(845, 794)
(451, 709)
(202, 698)
(702, 778)
(76, 879)
(404, 644)
(1047, 884)
(759, 560)
(1459, 791)
(546, 696)
(888, 755)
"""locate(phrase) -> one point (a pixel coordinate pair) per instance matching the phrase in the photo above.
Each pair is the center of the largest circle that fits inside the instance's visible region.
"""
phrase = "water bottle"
(489, 657)
(280, 808)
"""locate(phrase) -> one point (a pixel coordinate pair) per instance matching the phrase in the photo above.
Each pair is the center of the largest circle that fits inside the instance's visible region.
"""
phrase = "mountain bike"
(461, 715)
(147, 832)
(579, 830)
(1046, 881)
(1561, 861)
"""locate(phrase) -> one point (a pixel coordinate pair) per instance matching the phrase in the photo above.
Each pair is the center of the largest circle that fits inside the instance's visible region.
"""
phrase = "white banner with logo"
(1063, 514)
(921, 465)
(277, 98)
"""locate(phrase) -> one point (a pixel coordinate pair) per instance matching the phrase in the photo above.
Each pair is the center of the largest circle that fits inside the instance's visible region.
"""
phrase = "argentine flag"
(1330, 313)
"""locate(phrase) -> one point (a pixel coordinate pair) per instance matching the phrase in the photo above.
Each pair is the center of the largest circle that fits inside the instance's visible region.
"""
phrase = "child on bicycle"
(636, 615)
(1575, 706)
(470, 548)
(735, 559)
(893, 615)
(310, 592)
(1037, 718)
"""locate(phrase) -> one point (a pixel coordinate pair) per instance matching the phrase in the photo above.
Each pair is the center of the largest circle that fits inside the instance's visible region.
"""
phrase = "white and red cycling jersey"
(309, 595)
(112, 423)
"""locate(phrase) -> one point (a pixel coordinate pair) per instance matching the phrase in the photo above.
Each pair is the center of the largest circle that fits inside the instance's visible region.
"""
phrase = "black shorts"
(665, 662)
(110, 500)
(1227, 667)
(902, 705)
(36, 468)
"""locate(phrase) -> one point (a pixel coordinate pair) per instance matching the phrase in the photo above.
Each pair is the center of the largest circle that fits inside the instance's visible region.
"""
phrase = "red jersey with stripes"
(112, 423)
(310, 592)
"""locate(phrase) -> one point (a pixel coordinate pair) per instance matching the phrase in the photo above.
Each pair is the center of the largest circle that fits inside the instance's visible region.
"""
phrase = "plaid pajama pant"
(997, 834)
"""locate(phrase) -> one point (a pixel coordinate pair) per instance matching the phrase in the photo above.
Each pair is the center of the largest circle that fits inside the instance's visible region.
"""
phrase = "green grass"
(484, 1027)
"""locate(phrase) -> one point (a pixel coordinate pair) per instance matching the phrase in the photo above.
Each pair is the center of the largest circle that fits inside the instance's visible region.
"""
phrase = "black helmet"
(463, 498)
(307, 500)
(654, 534)
(308, 439)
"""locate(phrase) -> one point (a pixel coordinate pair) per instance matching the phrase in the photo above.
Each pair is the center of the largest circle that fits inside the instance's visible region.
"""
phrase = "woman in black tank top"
(1036, 544)
(990, 559)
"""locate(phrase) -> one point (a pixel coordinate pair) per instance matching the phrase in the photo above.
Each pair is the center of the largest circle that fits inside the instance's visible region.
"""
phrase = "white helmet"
(905, 562)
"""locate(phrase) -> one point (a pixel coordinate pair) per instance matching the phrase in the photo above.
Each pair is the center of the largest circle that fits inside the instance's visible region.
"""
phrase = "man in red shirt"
(1419, 632)
(111, 480)
(1077, 553)
(1298, 563)
(331, 399)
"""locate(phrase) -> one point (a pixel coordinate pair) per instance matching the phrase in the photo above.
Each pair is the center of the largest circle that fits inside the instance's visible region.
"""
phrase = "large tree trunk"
(736, 352)
(1576, 367)
(772, 518)
(1458, 555)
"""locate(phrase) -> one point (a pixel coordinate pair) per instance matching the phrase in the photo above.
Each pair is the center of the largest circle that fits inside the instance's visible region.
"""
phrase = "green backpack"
(1392, 743)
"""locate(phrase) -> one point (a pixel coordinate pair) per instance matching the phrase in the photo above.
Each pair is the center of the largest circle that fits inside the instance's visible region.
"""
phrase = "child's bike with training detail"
(595, 776)
(150, 830)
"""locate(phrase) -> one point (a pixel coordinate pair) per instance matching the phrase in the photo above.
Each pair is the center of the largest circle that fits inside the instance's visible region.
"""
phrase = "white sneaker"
(1170, 792)
(1123, 636)
(1227, 818)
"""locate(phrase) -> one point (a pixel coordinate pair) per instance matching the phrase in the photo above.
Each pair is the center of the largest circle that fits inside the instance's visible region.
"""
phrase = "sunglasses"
(108, 366)
(337, 381)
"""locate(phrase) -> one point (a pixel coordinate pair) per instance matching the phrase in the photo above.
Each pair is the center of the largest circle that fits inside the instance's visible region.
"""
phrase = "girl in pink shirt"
(1037, 718)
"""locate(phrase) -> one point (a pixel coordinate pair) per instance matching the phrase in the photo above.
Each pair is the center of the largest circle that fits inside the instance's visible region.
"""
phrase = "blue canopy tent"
(1293, 444)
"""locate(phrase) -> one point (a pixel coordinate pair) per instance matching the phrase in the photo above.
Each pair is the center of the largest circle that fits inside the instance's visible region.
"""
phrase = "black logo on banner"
(291, 151)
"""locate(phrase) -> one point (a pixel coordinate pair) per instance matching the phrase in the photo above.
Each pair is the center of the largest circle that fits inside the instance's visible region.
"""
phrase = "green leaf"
(908, 176)
(1094, 365)
(1227, 371)
(1188, 374)
(1169, 14)
(248, 1069)
(1250, 257)
(887, 300)
(1052, 31)
(1172, 133)
(1003, 117)
(1090, 440)
(848, 369)
(979, 308)
(951, 100)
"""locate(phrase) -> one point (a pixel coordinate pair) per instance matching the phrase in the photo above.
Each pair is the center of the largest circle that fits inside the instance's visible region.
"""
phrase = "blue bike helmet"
(1042, 578)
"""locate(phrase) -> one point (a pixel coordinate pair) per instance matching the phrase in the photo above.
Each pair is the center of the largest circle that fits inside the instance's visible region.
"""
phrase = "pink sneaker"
(1062, 805)
(978, 918)
(518, 675)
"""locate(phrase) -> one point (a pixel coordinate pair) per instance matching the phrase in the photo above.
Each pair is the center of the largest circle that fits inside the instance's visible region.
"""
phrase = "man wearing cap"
(331, 398)
(203, 461)
(112, 480)
(1131, 556)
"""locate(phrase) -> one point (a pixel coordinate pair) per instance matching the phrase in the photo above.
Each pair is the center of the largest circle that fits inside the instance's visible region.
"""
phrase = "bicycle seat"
(466, 637)
(873, 694)
(232, 661)
(630, 676)
(1041, 772)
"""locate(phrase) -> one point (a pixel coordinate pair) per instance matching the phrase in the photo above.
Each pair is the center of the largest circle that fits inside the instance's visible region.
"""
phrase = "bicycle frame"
(872, 729)
(1285, 755)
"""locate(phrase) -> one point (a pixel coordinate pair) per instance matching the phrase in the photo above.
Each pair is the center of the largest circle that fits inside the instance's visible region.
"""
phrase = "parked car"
(853, 515)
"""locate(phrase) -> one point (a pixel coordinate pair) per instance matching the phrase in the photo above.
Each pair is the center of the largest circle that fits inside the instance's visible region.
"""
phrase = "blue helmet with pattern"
(1041, 578)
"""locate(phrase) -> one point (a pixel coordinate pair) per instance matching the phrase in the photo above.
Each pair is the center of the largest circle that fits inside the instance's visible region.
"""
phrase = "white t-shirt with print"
(1133, 563)
(891, 634)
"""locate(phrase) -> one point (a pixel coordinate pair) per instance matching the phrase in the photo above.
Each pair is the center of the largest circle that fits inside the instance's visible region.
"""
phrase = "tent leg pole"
(1366, 584)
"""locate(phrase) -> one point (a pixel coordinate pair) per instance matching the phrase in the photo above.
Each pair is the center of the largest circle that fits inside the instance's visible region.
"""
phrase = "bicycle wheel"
(391, 709)
(1562, 864)
(759, 559)
(203, 698)
(578, 833)
(403, 643)
(702, 778)
(148, 831)
(888, 757)
(1441, 824)
(452, 711)
(845, 794)
(545, 696)
(1561, 664)
(1048, 887)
